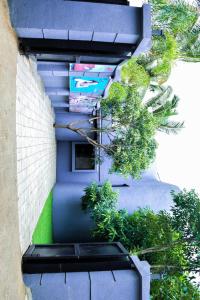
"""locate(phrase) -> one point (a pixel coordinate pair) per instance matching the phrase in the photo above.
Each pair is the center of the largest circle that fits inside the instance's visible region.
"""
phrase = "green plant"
(133, 146)
(170, 242)
(164, 106)
(129, 128)
(100, 201)
(166, 51)
(174, 16)
(189, 45)
(186, 220)
(160, 59)
(110, 224)
(179, 21)
(102, 196)
(174, 287)
(135, 75)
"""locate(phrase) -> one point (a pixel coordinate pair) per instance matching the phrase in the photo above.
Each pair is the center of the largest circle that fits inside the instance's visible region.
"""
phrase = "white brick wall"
(36, 147)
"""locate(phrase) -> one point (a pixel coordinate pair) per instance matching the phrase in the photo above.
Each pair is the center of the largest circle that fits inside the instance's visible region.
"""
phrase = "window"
(83, 157)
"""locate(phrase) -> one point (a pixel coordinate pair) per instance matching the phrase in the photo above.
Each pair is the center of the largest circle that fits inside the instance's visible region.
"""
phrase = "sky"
(178, 156)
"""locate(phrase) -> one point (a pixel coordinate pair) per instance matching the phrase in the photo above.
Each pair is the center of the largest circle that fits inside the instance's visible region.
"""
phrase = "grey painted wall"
(73, 20)
(66, 118)
(64, 167)
(119, 285)
(147, 192)
(99, 285)
(70, 223)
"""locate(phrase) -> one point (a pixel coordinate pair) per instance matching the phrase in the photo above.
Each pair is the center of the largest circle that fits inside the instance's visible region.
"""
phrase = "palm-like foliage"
(170, 127)
(189, 45)
(179, 21)
(177, 16)
(164, 106)
(158, 62)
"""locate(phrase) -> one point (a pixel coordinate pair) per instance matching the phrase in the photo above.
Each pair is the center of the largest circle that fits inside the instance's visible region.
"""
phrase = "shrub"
(174, 16)
(159, 61)
(158, 238)
(135, 75)
(132, 131)
(174, 287)
(102, 196)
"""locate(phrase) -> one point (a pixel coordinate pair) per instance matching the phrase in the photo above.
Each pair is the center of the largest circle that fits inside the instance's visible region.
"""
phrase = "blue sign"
(90, 85)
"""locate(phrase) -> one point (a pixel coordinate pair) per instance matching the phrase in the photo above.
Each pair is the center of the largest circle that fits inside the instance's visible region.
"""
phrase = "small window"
(83, 157)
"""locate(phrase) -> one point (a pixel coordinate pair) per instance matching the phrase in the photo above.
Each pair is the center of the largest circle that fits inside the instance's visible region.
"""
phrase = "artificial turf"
(43, 230)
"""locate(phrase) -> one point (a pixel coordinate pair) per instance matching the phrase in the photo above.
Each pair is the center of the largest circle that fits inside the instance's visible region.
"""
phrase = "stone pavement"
(11, 284)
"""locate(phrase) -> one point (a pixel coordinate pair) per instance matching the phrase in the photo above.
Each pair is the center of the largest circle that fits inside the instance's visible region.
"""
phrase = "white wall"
(36, 147)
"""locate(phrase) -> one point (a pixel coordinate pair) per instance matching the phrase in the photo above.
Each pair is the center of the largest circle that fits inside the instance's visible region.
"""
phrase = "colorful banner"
(92, 68)
(91, 85)
(82, 104)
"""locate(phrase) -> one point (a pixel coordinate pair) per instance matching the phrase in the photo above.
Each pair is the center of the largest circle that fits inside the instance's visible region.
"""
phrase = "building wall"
(36, 147)
(64, 167)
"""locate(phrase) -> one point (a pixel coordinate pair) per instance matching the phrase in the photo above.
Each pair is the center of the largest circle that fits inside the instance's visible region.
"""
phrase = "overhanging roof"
(81, 28)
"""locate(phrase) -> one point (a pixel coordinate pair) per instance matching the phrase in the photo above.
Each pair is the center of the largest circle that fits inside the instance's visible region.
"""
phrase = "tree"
(186, 220)
(174, 287)
(163, 106)
(129, 127)
(102, 196)
(134, 74)
(169, 241)
(180, 41)
(189, 45)
(159, 60)
(177, 16)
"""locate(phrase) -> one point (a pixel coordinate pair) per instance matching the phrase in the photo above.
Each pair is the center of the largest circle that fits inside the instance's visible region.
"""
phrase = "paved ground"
(11, 285)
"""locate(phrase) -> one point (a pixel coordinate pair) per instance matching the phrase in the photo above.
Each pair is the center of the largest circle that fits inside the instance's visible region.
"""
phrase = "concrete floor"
(11, 284)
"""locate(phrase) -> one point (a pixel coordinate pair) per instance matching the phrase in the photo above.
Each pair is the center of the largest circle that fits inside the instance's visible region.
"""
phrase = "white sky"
(178, 156)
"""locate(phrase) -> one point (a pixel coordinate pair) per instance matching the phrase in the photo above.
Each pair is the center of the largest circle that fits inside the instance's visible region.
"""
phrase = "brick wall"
(36, 147)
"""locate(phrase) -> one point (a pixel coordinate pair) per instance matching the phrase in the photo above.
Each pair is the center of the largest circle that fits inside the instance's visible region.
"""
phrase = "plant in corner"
(169, 242)
(102, 196)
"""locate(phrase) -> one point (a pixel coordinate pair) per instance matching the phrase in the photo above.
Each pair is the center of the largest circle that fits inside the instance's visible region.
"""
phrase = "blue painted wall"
(76, 20)
(116, 285)
(64, 167)
(66, 118)
(70, 223)
(99, 285)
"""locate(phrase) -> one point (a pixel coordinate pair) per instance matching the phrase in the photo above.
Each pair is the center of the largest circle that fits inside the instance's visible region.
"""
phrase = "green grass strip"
(43, 232)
